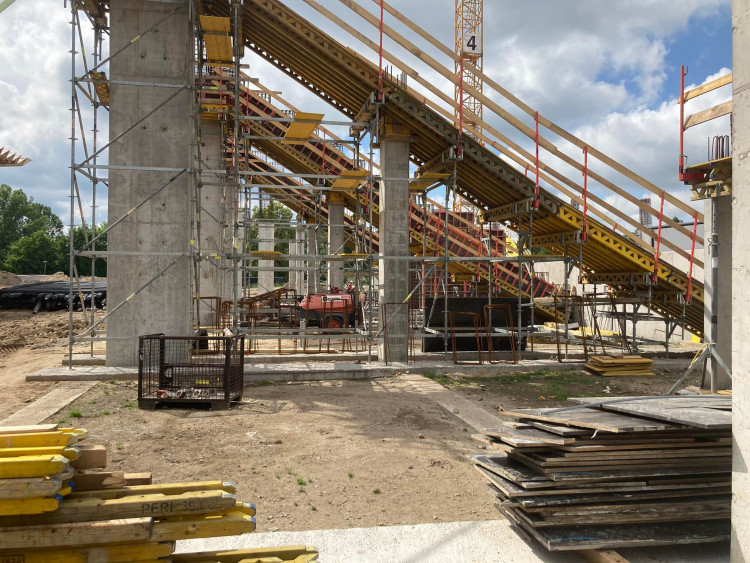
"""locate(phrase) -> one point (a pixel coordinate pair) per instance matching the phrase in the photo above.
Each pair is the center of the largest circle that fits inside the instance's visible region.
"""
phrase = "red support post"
(536, 141)
(683, 73)
(380, 55)
(585, 227)
(689, 292)
(460, 142)
(655, 275)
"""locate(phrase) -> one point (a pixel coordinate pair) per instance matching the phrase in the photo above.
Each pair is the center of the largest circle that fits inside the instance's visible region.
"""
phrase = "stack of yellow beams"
(35, 467)
(109, 516)
(611, 366)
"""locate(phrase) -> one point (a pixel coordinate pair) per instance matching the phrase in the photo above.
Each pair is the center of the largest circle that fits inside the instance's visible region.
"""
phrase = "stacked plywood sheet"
(629, 472)
(50, 507)
(620, 366)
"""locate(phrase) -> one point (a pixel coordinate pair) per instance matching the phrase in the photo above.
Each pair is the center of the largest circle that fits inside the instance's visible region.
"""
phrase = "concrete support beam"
(312, 249)
(297, 274)
(740, 251)
(217, 204)
(394, 238)
(335, 239)
(723, 314)
(265, 244)
(164, 55)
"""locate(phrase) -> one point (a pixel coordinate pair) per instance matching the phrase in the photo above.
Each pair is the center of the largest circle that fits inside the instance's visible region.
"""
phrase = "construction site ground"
(311, 455)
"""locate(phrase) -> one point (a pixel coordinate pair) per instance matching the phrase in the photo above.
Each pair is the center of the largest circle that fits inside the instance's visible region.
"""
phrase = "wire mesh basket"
(190, 370)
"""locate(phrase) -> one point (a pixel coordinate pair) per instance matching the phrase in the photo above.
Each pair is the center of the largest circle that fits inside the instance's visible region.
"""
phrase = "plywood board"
(700, 412)
(590, 418)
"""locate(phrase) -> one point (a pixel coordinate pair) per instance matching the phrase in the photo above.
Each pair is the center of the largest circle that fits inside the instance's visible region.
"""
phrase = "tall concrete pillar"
(740, 251)
(162, 225)
(393, 273)
(217, 204)
(312, 250)
(297, 265)
(723, 313)
(335, 239)
(265, 267)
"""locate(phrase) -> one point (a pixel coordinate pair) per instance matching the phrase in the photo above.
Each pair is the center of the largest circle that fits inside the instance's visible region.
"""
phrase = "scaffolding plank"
(302, 128)
(349, 180)
(217, 38)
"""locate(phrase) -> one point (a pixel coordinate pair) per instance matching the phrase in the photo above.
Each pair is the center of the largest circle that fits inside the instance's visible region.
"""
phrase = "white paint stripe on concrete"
(49, 404)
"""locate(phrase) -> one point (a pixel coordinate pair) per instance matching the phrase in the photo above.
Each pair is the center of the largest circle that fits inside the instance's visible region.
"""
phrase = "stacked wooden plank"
(51, 507)
(614, 473)
(35, 467)
(612, 366)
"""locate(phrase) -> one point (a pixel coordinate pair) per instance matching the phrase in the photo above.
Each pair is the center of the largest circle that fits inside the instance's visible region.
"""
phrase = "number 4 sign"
(472, 44)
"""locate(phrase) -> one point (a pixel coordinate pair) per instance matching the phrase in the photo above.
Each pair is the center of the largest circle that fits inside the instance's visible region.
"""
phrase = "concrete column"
(297, 274)
(164, 55)
(265, 244)
(740, 251)
(335, 239)
(393, 274)
(312, 250)
(216, 210)
(723, 314)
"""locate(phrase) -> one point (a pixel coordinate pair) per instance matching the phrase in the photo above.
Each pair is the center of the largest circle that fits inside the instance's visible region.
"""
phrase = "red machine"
(330, 310)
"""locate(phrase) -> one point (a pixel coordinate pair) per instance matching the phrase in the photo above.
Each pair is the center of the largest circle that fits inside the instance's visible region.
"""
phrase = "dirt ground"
(552, 387)
(310, 456)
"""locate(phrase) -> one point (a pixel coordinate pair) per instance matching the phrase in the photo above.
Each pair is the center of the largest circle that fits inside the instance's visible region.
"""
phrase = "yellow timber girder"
(345, 79)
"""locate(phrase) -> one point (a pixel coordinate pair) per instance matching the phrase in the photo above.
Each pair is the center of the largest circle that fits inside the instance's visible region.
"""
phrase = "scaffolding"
(263, 147)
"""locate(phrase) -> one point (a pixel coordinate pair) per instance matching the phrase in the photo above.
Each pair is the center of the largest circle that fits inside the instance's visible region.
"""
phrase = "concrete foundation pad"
(84, 373)
(492, 540)
(454, 541)
(256, 372)
(49, 404)
(85, 360)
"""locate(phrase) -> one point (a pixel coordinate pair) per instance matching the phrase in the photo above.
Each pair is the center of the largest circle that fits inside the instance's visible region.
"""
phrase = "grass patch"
(376, 491)
(441, 379)
(301, 481)
(314, 509)
(62, 421)
(351, 475)
(105, 412)
(76, 413)
(266, 383)
(129, 405)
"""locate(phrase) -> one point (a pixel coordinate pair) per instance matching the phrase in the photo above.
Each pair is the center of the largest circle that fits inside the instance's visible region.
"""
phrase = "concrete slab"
(492, 540)
(468, 412)
(85, 360)
(453, 541)
(44, 407)
(275, 371)
(84, 373)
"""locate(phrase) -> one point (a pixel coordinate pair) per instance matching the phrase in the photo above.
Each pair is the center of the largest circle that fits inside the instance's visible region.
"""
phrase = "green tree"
(83, 263)
(21, 216)
(28, 254)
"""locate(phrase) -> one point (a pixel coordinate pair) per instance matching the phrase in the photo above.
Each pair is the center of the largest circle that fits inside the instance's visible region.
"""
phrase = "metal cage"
(190, 370)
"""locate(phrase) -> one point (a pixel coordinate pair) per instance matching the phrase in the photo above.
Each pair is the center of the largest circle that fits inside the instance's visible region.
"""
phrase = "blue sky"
(608, 71)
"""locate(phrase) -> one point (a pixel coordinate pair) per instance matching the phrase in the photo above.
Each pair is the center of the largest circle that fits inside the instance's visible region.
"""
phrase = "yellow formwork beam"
(29, 487)
(229, 523)
(32, 466)
(70, 452)
(16, 507)
(38, 439)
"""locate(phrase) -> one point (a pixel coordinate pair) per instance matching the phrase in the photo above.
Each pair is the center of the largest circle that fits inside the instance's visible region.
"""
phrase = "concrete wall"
(740, 250)
(164, 55)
